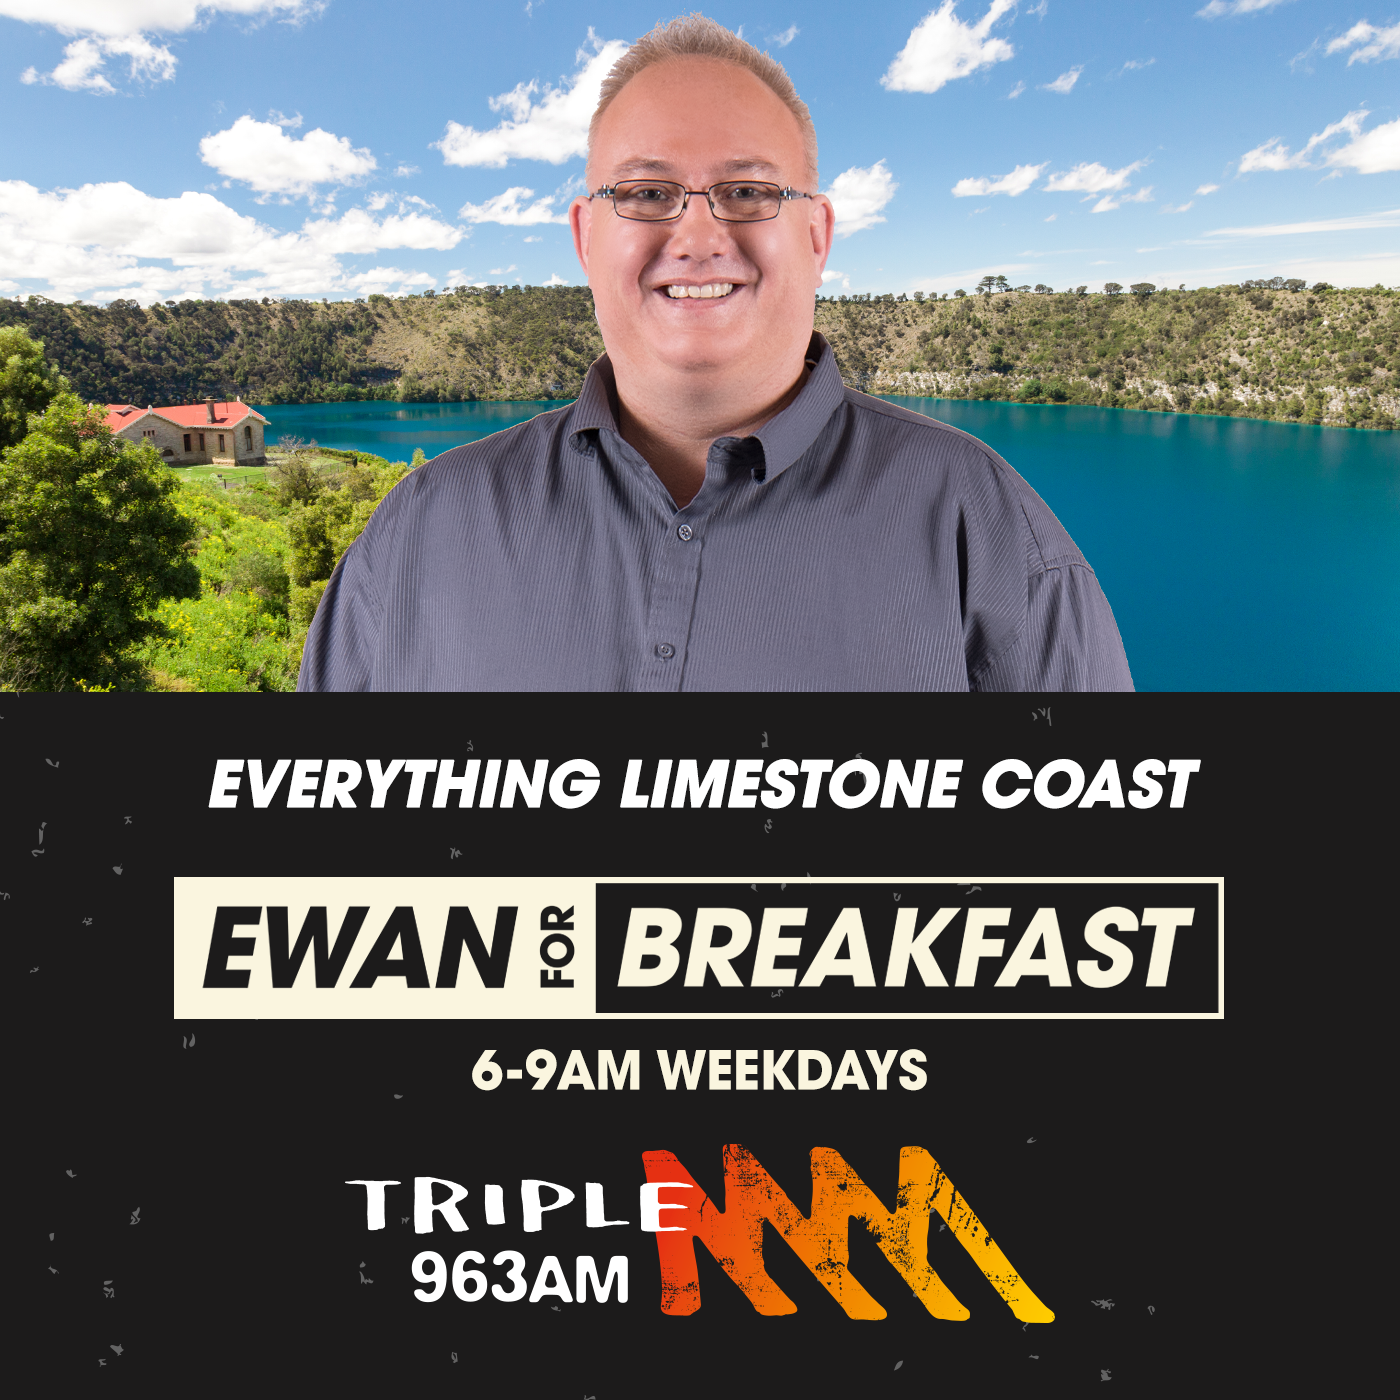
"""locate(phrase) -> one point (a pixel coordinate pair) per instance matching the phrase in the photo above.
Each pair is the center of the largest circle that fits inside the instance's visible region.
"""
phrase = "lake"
(1237, 555)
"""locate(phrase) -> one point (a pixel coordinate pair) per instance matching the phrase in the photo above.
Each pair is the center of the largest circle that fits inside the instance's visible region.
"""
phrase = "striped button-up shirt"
(848, 545)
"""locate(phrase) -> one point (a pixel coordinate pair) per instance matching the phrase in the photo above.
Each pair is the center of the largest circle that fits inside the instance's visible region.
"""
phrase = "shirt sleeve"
(1070, 640)
(344, 636)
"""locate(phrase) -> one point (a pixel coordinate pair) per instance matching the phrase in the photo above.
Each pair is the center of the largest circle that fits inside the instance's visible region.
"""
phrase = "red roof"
(122, 415)
(196, 415)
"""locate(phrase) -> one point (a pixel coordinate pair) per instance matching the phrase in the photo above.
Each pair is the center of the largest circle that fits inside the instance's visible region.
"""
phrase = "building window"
(187, 442)
(248, 437)
(201, 442)
(221, 442)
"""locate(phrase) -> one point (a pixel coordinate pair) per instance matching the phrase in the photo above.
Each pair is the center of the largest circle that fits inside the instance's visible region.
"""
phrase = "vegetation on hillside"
(265, 552)
(1320, 356)
(120, 573)
(1263, 349)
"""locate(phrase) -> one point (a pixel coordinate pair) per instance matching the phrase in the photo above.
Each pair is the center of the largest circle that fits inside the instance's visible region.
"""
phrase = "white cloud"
(858, 195)
(502, 271)
(382, 279)
(1065, 82)
(356, 232)
(941, 48)
(554, 129)
(118, 29)
(1390, 218)
(1174, 209)
(510, 208)
(402, 172)
(1206, 189)
(104, 240)
(1376, 151)
(1110, 202)
(1089, 177)
(1217, 8)
(1376, 43)
(786, 37)
(1017, 182)
(263, 156)
(136, 16)
(1016, 91)
(556, 280)
(84, 59)
(1050, 218)
(1274, 155)
(534, 238)
(1040, 10)
(1133, 63)
(830, 275)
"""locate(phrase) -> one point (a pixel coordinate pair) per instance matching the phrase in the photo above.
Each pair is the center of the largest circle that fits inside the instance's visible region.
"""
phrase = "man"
(716, 511)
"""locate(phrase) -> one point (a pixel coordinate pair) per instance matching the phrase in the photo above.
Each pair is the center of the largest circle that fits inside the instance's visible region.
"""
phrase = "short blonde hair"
(695, 36)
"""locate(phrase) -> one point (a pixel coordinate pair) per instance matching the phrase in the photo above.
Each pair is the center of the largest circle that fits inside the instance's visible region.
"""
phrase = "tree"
(959, 293)
(987, 285)
(27, 383)
(90, 541)
(1080, 291)
(1000, 283)
(1112, 288)
(1141, 290)
(918, 296)
(1042, 288)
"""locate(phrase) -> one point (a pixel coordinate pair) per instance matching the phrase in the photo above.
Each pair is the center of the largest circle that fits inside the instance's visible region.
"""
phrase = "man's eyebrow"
(652, 165)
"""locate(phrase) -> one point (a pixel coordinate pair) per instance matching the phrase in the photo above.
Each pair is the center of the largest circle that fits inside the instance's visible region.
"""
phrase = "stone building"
(225, 434)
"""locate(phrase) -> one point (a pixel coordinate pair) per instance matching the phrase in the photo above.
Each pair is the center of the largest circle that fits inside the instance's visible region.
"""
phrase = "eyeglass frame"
(786, 192)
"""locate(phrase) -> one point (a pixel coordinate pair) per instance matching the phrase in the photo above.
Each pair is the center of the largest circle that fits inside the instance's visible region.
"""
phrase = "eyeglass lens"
(737, 201)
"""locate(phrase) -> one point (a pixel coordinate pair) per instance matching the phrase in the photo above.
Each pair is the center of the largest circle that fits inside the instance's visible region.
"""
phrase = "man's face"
(698, 121)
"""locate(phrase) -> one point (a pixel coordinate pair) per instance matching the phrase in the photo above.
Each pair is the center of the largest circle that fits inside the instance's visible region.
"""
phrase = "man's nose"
(698, 232)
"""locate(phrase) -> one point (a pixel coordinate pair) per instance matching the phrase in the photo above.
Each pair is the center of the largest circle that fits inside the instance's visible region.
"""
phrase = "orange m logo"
(734, 1236)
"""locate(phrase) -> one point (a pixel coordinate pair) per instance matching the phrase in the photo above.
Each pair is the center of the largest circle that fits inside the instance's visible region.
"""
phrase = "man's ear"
(581, 226)
(822, 226)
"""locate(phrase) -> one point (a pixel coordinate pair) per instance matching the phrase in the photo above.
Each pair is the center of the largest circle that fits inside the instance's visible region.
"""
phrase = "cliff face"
(1333, 357)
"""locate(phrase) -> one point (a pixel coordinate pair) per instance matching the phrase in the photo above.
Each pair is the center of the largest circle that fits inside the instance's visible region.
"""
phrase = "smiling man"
(716, 510)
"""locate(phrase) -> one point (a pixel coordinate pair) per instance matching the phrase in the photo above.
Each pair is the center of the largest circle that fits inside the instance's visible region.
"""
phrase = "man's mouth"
(710, 289)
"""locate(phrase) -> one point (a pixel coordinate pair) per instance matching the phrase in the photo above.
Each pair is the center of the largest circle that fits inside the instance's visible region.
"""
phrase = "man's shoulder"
(984, 473)
(921, 430)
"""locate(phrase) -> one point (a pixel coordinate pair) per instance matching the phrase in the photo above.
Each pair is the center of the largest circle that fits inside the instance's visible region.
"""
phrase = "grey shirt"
(848, 545)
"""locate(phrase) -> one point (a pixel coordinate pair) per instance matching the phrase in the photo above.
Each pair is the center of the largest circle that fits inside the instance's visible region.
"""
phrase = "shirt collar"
(783, 439)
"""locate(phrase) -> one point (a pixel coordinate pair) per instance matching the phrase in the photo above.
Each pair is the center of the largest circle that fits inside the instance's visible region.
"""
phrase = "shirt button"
(665, 650)
(685, 532)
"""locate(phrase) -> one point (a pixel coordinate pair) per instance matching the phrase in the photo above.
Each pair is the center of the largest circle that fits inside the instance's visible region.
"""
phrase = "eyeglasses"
(733, 201)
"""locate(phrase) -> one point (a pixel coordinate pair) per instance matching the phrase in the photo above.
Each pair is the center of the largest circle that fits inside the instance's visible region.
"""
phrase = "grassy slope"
(1331, 358)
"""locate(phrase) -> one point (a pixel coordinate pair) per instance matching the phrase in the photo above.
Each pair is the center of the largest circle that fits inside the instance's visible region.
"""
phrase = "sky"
(171, 149)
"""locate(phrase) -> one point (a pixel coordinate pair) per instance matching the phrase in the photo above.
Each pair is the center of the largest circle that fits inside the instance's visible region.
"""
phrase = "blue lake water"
(1237, 555)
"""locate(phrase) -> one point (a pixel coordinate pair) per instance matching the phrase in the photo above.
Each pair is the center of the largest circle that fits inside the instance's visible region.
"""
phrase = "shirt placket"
(675, 577)
(675, 581)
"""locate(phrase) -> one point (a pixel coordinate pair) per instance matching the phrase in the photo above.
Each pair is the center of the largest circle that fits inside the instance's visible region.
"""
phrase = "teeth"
(714, 289)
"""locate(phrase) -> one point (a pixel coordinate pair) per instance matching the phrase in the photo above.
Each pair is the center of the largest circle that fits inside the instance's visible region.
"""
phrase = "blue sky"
(171, 148)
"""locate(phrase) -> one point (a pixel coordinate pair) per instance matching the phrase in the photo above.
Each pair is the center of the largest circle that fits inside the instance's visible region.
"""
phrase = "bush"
(224, 641)
(91, 540)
